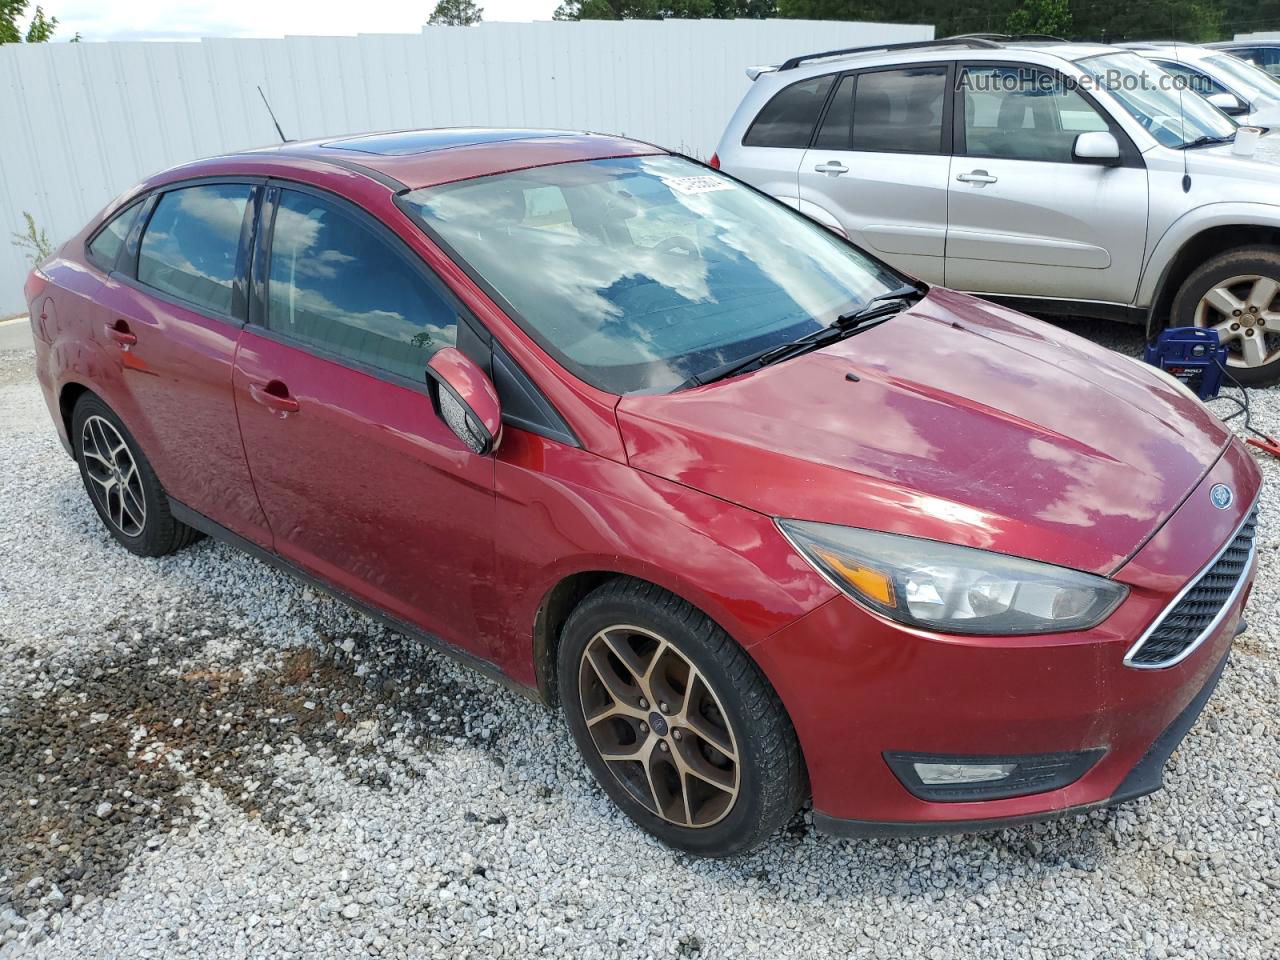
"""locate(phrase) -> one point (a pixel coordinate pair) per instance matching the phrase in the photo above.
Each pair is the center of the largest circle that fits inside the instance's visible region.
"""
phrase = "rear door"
(879, 164)
(170, 316)
(1025, 218)
(364, 485)
(774, 144)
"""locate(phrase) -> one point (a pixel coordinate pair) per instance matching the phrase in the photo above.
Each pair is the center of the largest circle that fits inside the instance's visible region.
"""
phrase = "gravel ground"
(201, 757)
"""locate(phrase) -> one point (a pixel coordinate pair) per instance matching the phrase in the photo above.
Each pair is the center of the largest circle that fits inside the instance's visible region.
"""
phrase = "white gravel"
(200, 757)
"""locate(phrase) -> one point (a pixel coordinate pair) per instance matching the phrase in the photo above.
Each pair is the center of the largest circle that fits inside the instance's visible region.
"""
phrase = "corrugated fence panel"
(79, 123)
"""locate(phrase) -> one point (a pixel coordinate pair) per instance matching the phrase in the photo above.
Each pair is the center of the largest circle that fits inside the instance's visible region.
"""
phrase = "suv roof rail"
(1010, 37)
(978, 43)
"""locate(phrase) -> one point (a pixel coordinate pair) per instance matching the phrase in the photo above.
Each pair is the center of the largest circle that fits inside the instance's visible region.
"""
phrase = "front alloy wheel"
(659, 726)
(1243, 311)
(1237, 293)
(676, 722)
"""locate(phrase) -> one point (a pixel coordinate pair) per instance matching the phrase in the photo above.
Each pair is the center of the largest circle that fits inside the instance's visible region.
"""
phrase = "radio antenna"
(1182, 110)
(283, 138)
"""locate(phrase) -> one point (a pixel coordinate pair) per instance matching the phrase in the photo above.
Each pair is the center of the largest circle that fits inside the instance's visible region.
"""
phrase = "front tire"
(121, 485)
(676, 722)
(1237, 293)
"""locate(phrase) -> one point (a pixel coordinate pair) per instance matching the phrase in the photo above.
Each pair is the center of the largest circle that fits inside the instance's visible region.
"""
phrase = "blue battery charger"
(1193, 355)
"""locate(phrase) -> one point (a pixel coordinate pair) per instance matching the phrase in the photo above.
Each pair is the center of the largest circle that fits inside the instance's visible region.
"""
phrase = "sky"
(193, 19)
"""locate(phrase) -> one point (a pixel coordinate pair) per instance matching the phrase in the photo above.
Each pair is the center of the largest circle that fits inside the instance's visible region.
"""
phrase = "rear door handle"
(274, 396)
(832, 167)
(977, 176)
(121, 334)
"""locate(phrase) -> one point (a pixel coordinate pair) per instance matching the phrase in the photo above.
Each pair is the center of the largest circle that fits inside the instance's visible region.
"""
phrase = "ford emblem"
(1221, 496)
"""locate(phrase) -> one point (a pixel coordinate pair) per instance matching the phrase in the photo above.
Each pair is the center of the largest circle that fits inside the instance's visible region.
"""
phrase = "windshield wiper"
(876, 310)
(1206, 140)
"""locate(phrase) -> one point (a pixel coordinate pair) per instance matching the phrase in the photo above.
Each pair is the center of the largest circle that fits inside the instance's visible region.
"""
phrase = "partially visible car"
(1058, 178)
(1263, 54)
(1236, 87)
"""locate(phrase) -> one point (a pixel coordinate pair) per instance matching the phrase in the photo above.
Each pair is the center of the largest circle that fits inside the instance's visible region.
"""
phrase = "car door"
(1024, 217)
(774, 144)
(879, 164)
(364, 485)
(170, 315)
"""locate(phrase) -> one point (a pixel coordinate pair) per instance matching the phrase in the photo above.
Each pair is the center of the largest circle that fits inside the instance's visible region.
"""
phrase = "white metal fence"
(79, 123)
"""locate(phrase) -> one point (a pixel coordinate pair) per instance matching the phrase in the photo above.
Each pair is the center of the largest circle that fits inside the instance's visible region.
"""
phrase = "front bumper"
(858, 686)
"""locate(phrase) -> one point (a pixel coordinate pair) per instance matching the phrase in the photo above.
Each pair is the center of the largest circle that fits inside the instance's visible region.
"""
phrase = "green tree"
(40, 30)
(456, 13)
(1040, 16)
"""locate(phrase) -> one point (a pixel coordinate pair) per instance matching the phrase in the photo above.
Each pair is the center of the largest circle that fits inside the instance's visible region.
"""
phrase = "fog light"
(936, 773)
(941, 778)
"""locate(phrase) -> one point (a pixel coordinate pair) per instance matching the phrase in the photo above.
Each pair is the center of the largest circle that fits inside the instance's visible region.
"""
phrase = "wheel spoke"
(626, 655)
(608, 677)
(1263, 293)
(1223, 300)
(1254, 350)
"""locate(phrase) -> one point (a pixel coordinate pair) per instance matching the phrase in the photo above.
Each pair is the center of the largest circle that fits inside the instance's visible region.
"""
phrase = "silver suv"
(1061, 178)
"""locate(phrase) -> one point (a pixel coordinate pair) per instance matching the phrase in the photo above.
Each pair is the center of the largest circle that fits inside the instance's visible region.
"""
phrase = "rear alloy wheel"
(1238, 295)
(676, 722)
(122, 486)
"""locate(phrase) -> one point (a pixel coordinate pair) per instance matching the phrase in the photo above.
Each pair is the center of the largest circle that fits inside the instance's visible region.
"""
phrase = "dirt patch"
(101, 755)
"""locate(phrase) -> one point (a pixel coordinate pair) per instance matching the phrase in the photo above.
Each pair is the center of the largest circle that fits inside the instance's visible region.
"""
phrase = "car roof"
(1236, 44)
(1182, 51)
(422, 158)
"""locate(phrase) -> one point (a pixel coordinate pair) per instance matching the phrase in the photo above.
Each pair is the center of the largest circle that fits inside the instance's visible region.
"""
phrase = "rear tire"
(1238, 294)
(718, 768)
(121, 485)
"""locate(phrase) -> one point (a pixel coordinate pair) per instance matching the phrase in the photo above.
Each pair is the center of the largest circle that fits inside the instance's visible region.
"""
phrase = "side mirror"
(466, 400)
(1228, 103)
(1099, 145)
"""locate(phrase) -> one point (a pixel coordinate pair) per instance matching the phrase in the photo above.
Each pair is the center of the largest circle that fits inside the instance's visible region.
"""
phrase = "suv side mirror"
(1099, 145)
(1228, 103)
(466, 400)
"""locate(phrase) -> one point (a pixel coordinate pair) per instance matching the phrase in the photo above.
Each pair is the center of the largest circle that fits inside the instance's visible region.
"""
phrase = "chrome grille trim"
(1250, 515)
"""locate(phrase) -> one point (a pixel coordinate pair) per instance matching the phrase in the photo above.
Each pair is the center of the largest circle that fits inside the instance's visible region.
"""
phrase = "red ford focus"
(766, 518)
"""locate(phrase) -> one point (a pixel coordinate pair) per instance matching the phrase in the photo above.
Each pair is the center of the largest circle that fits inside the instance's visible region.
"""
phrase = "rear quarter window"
(191, 244)
(104, 248)
(789, 118)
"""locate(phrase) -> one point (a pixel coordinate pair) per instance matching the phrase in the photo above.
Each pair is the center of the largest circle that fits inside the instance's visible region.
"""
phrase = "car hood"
(957, 420)
(1220, 160)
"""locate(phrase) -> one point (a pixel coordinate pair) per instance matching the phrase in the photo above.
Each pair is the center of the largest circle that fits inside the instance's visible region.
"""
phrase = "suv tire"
(721, 769)
(121, 484)
(1238, 293)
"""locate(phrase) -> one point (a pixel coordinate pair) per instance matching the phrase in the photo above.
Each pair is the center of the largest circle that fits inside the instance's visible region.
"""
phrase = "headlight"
(939, 586)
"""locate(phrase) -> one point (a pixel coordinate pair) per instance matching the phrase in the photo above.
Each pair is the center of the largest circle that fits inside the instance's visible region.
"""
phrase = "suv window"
(788, 119)
(105, 247)
(336, 284)
(1015, 114)
(837, 125)
(1267, 58)
(899, 111)
(190, 245)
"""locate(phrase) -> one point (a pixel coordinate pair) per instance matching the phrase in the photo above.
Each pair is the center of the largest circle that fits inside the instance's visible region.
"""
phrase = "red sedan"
(767, 519)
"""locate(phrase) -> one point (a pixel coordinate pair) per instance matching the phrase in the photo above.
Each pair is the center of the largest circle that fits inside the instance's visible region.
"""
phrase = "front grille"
(1185, 624)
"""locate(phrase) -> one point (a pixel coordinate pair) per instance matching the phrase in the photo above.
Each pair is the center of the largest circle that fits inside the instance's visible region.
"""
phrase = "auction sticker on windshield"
(695, 185)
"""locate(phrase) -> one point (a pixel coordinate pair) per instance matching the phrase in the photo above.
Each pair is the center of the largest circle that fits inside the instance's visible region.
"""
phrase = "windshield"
(1170, 112)
(637, 273)
(1250, 81)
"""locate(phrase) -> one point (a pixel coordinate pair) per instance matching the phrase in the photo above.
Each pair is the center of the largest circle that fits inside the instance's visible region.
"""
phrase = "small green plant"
(35, 242)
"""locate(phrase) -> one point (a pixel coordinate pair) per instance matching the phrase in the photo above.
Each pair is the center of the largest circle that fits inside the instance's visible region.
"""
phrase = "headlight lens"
(939, 586)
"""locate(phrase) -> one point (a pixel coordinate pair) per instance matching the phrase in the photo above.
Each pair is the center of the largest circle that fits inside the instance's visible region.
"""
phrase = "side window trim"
(1129, 155)
(946, 138)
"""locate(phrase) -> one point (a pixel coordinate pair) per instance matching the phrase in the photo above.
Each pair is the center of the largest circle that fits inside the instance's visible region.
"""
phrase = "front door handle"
(832, 168)
(274, 396)
(121, 334)
(977, 176)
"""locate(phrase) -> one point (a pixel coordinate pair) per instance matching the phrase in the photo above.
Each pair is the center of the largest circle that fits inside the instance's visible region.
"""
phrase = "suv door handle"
(121, 334)
(274, 396)
(832, 167)
(977, 176)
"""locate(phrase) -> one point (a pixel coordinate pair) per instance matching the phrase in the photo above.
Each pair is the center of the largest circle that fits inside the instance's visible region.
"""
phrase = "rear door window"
(900, 111)
(338, 285)
(789, 118)
(837, 125)
(190, 247)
